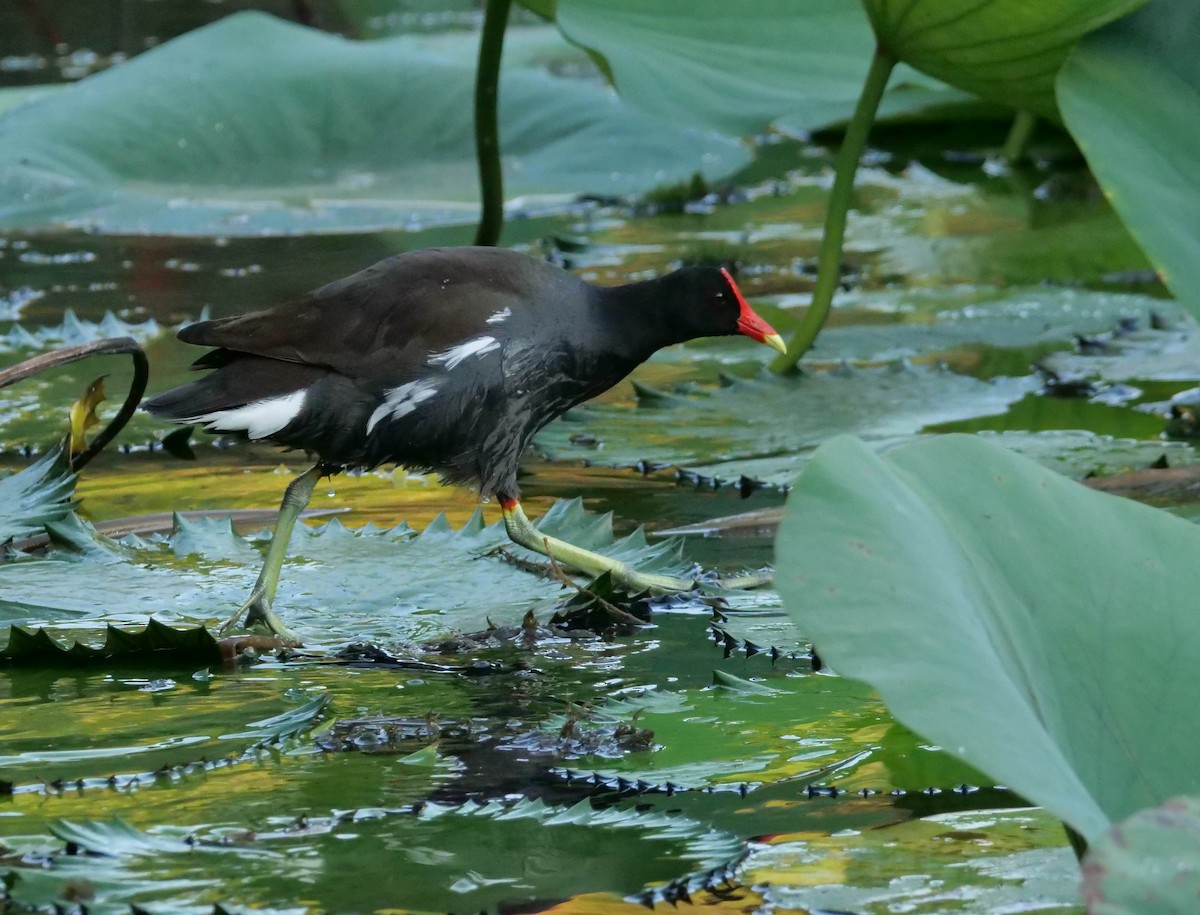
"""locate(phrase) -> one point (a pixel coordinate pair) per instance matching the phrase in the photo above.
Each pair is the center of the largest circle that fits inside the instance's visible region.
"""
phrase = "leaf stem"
(1018, 136)
(114, 346)
(829, 262)
(487, 131)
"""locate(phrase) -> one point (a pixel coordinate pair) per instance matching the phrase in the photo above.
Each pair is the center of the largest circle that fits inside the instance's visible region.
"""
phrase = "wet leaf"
(155, 643)
(978, 597)
(1005, 53)
(112, 837)
(738, 69)
(295, 130)
(337, 585)
(284, 725)
(485, 856)
(127, 728)
(1148, 864)
(973, 863)
(770, 415)
(955, 323)
(1071, 453)
(735, 737)
(1139, 77)
(38, 494)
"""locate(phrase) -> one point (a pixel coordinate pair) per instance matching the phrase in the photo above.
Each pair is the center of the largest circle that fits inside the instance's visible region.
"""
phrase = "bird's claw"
(258, 613)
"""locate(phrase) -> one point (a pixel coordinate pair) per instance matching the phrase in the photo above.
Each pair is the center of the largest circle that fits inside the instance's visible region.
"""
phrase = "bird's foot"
(258, 613)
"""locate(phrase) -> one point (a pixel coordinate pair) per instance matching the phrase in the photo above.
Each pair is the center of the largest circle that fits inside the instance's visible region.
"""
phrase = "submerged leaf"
(975, 862)
(474, 856)
(112, 837)
(770, 415)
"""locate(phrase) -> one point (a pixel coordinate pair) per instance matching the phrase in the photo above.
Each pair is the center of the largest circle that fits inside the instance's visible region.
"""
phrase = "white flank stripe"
(258, 419)
(401, 401)
(499, 317)
(456, 354)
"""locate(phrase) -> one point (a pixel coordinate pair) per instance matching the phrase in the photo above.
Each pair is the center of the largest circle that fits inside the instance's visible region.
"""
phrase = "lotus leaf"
(1039, 630)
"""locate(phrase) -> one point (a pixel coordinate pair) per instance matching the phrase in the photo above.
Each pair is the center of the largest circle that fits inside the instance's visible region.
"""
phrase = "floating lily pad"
(152, 643)
(82, 753)
(980, 597)
(1140, 77)
(916, 323)
(731, 737)
(253, 125)
(39, 494)
(487, 857)
(1144, 355)
(973, 863)
(338, 584)
(1072, 453)
(771, 415)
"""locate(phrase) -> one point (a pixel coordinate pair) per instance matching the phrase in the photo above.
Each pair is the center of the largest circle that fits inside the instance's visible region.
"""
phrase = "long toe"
(258, 613)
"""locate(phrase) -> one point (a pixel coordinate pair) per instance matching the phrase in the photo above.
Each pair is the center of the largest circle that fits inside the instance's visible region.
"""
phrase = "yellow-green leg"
(522, 531)
(258, 608)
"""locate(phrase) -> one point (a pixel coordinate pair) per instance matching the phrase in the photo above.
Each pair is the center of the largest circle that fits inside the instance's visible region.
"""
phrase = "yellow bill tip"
(775, 342)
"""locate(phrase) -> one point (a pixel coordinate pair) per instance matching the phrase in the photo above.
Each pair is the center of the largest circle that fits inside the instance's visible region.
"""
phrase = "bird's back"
(442, 359)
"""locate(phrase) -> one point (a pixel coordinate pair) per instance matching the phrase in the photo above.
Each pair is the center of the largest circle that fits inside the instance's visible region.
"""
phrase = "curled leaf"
(83, 414)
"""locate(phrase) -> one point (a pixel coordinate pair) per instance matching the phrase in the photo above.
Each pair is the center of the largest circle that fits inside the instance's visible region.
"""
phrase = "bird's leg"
(258, 608)
(521, 530)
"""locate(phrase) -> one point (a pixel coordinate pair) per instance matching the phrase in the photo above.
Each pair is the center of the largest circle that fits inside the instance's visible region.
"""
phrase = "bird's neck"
(644, 325)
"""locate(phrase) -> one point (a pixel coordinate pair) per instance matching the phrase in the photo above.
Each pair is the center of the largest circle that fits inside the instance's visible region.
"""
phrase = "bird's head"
(715, 306)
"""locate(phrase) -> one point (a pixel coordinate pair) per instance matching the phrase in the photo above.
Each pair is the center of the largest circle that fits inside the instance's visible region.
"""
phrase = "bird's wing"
(375, 325)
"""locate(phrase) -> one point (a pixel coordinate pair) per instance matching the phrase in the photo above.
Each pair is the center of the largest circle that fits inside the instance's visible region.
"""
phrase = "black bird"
(446, 360)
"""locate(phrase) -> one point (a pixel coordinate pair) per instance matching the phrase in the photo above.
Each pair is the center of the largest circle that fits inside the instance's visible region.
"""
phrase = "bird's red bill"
(750, 322)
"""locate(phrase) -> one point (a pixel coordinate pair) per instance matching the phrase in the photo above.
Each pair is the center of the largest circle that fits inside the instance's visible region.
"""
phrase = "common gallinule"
(443, 359)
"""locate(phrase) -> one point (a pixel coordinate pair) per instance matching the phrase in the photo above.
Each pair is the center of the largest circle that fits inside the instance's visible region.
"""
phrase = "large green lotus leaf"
(1006, 50)
(38, 494)
(738, 67)
(492, 856)
(1148, 864)
(337, 585)
(254, 125)
(770, 415)
(1039, 630)
(1130, 95)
